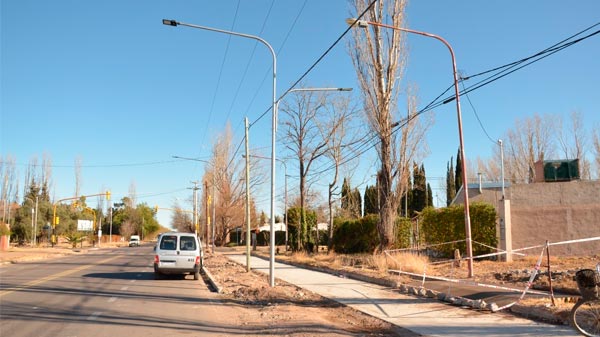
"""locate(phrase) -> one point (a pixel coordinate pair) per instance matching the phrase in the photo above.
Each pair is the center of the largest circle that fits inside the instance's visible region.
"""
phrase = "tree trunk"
(387, 211)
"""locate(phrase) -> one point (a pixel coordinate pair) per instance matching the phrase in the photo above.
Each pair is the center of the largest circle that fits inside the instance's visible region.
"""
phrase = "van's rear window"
(168, 242)
(187, 243)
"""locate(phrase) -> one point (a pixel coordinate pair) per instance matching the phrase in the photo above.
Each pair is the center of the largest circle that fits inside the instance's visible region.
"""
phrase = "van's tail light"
(156, 260)
(197, 260)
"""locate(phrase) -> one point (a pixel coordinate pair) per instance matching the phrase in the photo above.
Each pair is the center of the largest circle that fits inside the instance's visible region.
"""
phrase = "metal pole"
(273, 131)
(247, 199)
(32, 219)
(194, 207)
(36, 220)
(502, 165)
(207, 213)
(285, 214)
(214, 219)
(110, 227)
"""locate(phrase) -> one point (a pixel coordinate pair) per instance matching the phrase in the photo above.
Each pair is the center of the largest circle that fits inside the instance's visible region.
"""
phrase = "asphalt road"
(107, 293)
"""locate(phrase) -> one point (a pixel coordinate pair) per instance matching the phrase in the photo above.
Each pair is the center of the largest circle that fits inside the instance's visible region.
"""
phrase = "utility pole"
(206, 212)
(195, 208)
(247, 200)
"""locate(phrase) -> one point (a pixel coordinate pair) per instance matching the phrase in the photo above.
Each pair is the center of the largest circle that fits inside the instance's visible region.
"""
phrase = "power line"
(212, 105)
(317, 61)
(477, 115)
(101, 165)
(249, 60)
(433, 104)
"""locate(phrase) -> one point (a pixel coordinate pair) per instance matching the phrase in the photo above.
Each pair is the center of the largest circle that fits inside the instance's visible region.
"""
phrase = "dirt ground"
(286, 306)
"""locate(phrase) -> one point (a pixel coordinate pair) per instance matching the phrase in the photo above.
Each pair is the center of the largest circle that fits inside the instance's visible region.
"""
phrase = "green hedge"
(435, 226)
(356, 235)
(448, 224)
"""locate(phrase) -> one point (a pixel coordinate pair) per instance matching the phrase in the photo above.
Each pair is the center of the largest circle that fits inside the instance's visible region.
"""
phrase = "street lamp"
(273, 128)
(365, 24)
(34, 219)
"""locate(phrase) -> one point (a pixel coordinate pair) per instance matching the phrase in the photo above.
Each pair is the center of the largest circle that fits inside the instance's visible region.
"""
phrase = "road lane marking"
(112, 299)
(52, 277)
(124, 288)
(94, 316)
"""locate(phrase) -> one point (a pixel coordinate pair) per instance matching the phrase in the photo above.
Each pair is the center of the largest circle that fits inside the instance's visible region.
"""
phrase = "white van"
(178, 253)
(134, 240)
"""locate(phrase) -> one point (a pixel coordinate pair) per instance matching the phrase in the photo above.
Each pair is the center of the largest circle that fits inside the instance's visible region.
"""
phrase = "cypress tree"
(429, 196)
(458, 177)
(345, 194)
(450, 184)
(371, 200)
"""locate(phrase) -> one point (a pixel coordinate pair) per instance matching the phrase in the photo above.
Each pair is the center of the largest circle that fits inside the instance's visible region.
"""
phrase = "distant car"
(134, 241)
(178, 253)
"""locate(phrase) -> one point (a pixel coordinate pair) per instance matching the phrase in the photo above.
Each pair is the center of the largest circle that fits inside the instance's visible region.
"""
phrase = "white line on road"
(112, 299)
(124, 288)
(94, 316)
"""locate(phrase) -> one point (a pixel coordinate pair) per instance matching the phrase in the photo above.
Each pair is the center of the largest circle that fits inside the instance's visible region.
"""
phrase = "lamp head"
(170, 22)
(359, 23)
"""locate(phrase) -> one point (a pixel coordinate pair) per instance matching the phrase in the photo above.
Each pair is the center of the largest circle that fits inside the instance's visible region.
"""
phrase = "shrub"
(448, 224)
(4, 230)
(356, 235)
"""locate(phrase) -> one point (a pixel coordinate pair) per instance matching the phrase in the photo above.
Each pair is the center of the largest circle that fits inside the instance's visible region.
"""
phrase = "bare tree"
(528, 142)
(334, 130)
(573, 141)
(596, 142)
(181, 220)
(226, 176)
(300, 116)
(132, 195)
(9, 187)
(379, 57)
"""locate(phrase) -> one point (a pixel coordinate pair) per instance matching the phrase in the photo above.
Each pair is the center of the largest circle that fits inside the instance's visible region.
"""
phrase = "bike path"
(423, 316)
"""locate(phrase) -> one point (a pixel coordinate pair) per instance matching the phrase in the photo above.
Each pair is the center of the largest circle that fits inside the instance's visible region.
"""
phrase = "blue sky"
(106, 82)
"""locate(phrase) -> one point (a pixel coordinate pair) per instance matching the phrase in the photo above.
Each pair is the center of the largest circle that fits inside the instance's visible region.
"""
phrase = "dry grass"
(380, 262)
(401, 261)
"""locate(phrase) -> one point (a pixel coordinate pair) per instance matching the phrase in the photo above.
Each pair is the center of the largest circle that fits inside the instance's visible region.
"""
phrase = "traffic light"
(56, 220)
(107, 195)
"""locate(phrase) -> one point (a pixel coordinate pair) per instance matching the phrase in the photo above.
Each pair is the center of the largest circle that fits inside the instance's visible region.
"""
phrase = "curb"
(212, 281)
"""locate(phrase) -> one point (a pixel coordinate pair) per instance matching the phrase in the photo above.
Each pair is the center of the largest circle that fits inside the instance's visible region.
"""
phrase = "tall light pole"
(175, 23)
(34, 219)
(502, 165)
(365, 24)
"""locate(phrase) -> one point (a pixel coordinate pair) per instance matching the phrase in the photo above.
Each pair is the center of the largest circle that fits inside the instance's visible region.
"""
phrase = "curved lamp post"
(365, 24)
(273, 128)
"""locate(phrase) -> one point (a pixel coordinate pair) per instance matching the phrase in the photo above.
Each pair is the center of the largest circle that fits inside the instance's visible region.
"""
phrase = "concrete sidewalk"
(423, 316)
